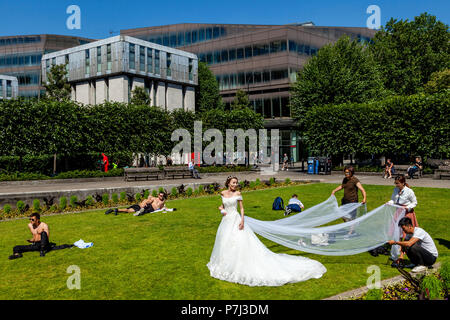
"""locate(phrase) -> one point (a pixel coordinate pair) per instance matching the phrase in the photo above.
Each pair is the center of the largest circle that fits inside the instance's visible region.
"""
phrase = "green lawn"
(164, 255)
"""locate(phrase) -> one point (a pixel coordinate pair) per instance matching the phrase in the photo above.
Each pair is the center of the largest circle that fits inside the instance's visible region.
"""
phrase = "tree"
(439, 82)
(140, 97)
(408, 52)
(57, 87)
(241, 100)
(340, 73)
(208, 93)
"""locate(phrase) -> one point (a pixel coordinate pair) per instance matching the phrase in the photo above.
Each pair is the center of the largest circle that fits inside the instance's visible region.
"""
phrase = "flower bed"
(99, 201)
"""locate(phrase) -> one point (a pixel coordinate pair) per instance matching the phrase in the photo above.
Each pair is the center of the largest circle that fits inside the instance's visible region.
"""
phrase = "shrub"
(115, 198)
(434, 286)
(138, 197)
(161, 189)
(374, 294)
(241, 184)
(252, 184)
(189, 192)
(444, 271)
(174, 192)
(146, 194)
(36, 205)
(287, 181)
(257, 182)
(272, 181)
(20, 206)
(201, 189)
(73, 201)
(89, 201)
(63, 203)
(123, 196)
(53, 208)
(6, 208)
(105, 199)
(155, 193)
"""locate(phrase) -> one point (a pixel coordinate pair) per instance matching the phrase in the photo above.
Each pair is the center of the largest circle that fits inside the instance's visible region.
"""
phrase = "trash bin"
(310, 165)
(322, 165)
(316, 165)
(328, 167)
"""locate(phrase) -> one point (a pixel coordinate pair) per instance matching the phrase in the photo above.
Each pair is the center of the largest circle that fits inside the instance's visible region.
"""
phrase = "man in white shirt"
(294, 205)
(193, 171)
(418, 246)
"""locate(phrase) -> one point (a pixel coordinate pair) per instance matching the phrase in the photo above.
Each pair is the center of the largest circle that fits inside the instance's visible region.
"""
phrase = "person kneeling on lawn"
(294, 205)
(419, 246)
(146, 206)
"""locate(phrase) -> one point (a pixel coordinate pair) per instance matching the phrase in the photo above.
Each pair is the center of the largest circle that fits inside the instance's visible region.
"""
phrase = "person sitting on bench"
(418, 246)
(146, 206)
(39, 241)
(294, 205)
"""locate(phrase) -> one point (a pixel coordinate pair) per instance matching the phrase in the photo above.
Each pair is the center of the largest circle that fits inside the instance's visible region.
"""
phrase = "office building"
(110, 69)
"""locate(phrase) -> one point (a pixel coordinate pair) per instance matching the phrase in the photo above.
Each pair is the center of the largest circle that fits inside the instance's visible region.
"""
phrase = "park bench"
(442, 172)
(403, 169)
(142, 173)
(177, 172)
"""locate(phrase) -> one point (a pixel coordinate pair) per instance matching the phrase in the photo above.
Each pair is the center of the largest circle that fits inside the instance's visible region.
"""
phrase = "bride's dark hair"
(227, 183)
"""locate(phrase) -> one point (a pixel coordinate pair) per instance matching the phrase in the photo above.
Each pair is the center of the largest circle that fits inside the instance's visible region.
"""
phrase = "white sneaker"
(419, 269)
(138, 213)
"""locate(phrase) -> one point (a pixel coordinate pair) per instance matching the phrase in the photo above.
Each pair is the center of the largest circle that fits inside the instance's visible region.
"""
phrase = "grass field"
(164, 255)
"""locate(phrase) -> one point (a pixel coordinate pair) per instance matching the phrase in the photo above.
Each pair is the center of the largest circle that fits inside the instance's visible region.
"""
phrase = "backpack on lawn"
(278, 204)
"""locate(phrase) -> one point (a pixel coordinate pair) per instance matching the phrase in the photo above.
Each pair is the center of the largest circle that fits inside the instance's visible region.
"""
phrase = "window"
(202, 57)
(233, 81)
(266, 76)
(142, 58)
(267, 108)
(187, 38)
(169, 64)
(216, 32)
(108, 57)
(201, 35)
(157, 54)
(257, 77)
(232, 54)
(47, 66)
(249, 78)
(248, 52)
(307, 50)
(276, 107)
(217, 57)
(180, 39)
(208, 33)
(166, 40)
(292, 46)
(87, 62)
(173, 40)
(67, 63)
(194, 36)
(190, 69)
(132, 56)
(275, 46)
(279, 74)
(1, 88)
(241, 79)
(240, 53)
(259, 106)
(224, 55)
(99, 59)
(209, 58)
(8, 89)
(149, 60)
(285, 109)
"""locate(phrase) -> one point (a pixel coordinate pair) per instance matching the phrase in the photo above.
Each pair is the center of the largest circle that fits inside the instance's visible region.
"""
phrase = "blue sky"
(99, 17)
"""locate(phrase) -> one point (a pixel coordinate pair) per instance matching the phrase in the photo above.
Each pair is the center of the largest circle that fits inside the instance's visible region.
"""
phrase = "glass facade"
(169, 65)
(99, 59)
(247, 52)
(1, 88)
(186, 38)
(17, 60)
(87, 62)
(19, 40)
(108, 57)
(157, 64)
(243, 79)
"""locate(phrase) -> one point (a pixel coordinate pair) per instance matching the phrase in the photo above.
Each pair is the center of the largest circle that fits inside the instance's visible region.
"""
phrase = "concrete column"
(101, 91)
(161, 95)
(83, 92)
(118, 89)
(189, 99)
(174, 96)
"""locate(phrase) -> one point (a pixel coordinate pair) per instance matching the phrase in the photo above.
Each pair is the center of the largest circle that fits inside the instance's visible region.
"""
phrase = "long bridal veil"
(305, 231)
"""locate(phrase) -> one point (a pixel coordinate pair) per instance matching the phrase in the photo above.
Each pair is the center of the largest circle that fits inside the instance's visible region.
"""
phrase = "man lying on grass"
(148, 205)
(39, 241)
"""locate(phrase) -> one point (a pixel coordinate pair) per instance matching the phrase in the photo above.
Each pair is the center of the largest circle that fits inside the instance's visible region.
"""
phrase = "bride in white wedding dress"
(239, 256)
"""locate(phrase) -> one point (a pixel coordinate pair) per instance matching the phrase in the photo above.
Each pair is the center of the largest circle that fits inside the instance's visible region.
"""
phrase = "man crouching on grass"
(146, 206)
(40, 240)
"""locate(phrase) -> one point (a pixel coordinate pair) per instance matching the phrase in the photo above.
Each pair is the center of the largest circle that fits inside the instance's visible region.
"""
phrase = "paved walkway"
(13, 187)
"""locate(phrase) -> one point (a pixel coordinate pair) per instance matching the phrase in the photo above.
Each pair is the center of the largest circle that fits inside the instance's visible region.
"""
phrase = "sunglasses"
(32, 219)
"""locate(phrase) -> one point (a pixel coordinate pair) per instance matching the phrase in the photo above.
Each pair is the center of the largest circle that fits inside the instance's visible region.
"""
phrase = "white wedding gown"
(239, 256)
